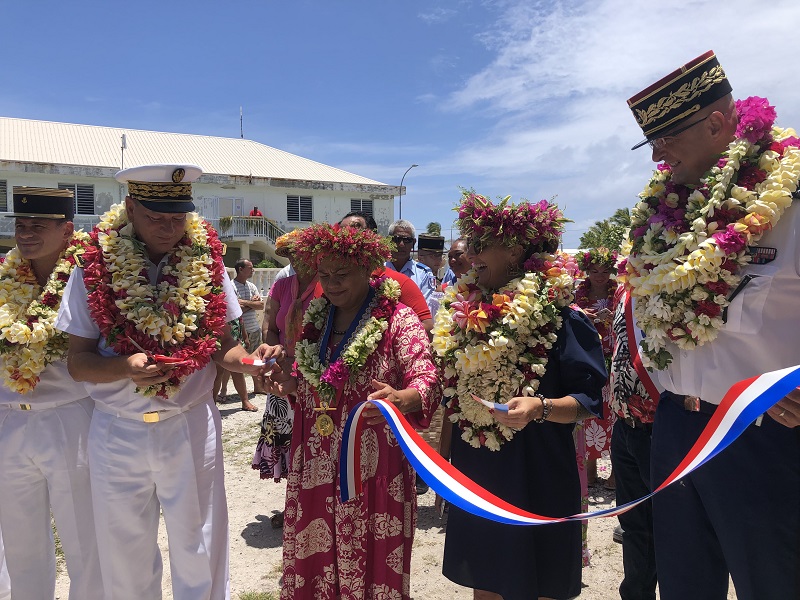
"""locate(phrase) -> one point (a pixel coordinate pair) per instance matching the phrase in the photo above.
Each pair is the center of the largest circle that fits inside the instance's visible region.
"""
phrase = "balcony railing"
(228, 227)
(245, 227)
(83, 222)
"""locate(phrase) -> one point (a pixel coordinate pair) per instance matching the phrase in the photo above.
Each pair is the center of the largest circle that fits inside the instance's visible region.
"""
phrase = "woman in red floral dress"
(357, 342)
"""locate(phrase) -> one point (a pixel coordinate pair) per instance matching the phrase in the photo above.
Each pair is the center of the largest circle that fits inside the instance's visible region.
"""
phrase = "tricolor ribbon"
(743, 403)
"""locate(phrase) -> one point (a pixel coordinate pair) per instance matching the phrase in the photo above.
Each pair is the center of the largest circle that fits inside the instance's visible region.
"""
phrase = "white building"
(238, 175)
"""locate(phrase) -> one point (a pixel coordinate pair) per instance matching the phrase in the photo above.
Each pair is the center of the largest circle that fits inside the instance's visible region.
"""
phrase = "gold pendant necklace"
(324, 424)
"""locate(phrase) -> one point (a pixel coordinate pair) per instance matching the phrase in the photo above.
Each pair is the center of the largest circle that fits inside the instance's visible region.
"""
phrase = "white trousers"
(140, 470)
(43, 466)
(5, 582)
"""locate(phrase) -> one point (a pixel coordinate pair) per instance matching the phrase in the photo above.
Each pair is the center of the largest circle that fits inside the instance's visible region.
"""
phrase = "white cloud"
(556, 92)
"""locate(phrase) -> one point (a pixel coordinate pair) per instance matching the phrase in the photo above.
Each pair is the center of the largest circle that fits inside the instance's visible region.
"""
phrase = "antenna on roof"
(241, 126)
(124, 142)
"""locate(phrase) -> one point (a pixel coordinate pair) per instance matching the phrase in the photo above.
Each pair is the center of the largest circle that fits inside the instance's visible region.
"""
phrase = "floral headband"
(362, 247)
(284, 245)
(597, 256)
(529, 224)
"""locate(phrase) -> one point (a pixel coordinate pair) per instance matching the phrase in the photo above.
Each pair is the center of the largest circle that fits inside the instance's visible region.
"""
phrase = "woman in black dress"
(506, 334)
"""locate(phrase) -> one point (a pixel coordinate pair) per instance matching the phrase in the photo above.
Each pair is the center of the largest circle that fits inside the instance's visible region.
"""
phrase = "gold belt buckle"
(24, 406)
(691, 403)
(151, 417)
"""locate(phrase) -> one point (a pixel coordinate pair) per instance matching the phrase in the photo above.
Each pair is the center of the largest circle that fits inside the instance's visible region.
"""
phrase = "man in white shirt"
(250, 302)
(44, 414)
(152, 275)
(740, 513)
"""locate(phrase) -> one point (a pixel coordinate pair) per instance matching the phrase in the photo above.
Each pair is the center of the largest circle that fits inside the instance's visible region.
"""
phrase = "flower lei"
(359, 346)
(28, 339)
(688, 245)
(182, 315)
(495, 345)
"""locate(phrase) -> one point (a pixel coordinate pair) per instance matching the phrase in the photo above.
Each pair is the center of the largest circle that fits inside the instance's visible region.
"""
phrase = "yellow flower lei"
(28, 340)
(667, 271)
(497, 358)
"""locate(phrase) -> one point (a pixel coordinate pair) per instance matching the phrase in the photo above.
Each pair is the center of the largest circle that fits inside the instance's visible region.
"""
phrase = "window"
(3, 196)
(357, 204)
(84, 197)
(298, 208)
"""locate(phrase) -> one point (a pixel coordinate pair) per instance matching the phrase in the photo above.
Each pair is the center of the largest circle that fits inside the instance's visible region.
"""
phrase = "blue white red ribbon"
(742, 405)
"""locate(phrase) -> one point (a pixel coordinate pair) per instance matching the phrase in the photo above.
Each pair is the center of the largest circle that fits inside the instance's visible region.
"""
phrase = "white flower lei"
(144, 304)
(668, 270)
(28, 338)
(505, 361)
(359, 346)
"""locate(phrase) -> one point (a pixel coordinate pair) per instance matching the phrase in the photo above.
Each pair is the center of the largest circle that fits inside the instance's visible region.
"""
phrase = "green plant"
(257, 596)
(267, 263)
(434, 228)
(225, 223)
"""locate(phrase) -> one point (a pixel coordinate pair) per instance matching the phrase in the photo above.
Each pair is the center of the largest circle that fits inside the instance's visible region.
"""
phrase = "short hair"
(461, 240)
(241, 264)
(405, 224)
(368, 218)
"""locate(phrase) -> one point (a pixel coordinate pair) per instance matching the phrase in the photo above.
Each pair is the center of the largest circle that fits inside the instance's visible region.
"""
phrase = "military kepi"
(426, 241)
(161, 188)
(43, 203)
(667, 103)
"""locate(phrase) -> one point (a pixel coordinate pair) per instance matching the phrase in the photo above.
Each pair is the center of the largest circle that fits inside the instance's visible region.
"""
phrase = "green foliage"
(608, 232)
(257, 596)
(434, 228)
(267, 263)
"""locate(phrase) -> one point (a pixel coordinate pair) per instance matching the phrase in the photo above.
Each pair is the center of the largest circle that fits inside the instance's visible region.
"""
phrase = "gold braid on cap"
(153, 192)
(686, 93)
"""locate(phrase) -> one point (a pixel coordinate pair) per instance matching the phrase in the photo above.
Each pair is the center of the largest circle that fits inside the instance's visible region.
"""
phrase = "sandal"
(276, 520)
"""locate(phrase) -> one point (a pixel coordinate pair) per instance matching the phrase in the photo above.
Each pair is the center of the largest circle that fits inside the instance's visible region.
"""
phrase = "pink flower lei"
(197, 347)
(669, 214)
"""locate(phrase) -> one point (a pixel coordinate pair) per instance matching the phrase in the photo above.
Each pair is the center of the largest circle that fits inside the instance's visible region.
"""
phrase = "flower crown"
(537, 224)
(597, 256)
(362, 247)
(284, 245)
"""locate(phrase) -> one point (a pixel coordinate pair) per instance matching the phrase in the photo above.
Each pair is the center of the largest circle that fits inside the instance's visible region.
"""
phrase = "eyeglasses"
(397, 239)
(659, 143)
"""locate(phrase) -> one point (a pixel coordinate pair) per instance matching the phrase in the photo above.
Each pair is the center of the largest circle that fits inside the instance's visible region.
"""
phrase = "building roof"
(28, 141)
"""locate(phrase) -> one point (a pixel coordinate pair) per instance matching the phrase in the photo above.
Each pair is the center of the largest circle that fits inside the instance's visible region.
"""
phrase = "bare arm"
(86, 364)
(269, 326)
(524, 409)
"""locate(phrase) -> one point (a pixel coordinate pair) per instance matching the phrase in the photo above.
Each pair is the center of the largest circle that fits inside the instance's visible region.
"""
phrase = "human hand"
(787, 410)
(143, 371)
(521, 411)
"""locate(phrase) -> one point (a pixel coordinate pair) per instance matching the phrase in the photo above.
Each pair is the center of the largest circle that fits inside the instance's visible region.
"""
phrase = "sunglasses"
(402, 239)
(659, 143)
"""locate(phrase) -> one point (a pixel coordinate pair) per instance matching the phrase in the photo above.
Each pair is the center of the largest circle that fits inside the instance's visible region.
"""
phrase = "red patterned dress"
(361, 549)
(598, 431)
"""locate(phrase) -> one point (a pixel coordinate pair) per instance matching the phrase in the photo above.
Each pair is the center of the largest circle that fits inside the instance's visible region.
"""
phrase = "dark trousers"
(739, 513)
(630, 458)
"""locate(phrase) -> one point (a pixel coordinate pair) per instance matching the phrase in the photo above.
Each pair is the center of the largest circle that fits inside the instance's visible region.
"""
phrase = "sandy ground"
(255, 554)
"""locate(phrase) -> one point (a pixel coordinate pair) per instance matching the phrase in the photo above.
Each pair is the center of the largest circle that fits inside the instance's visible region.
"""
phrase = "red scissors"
(159, 358)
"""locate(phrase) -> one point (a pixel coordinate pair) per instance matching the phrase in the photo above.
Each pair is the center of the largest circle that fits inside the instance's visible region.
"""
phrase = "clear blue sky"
(525, 98)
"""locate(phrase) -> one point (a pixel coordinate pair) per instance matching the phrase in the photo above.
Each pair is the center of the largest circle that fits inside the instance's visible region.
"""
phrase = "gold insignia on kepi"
(24, 199)
(178, 175)
(663, 106)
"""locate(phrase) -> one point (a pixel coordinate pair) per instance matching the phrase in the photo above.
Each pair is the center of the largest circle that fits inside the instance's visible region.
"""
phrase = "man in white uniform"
(44, 414)
(154, 278)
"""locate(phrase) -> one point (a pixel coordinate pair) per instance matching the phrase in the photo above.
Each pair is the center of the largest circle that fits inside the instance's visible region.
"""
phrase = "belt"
(633, 423)
(37, 405)
(153, 416)
(692, 403)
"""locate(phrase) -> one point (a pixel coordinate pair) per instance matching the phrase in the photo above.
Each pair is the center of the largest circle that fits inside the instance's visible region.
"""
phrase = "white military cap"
(161, 188)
